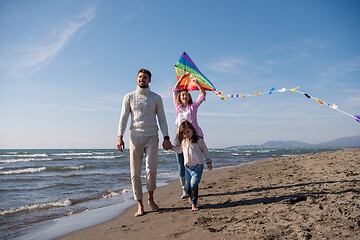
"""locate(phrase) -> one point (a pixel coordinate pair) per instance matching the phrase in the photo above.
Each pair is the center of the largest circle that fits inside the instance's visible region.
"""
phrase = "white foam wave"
(165, 174)
(25, 160)
(102, 153)
(236, 154)
(96, 157)
(75, 167)
(110, 194)
(59, 203)
(70, 154)
(126, 190)
(161, 174)
(263, 151)
(26, 170)
(32, 155)
(78, 211)
(11, 153)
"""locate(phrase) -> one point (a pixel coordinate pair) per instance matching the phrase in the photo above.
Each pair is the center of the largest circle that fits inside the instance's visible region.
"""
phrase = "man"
(143, 105)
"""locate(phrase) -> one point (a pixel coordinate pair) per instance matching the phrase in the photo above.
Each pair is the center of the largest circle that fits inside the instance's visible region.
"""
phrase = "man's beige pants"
(140, 146)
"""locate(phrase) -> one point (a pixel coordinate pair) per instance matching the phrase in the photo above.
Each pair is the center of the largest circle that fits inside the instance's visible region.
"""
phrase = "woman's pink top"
(189, 113)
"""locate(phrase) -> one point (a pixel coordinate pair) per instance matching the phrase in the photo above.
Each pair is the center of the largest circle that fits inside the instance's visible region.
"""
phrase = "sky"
(65, 67)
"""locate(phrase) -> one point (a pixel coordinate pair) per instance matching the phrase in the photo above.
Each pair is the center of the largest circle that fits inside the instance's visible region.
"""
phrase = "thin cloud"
(341, 68)
(76, 102)
(354, 102)
(35, 57)
(134, 14)
(301, 49)
(228, 65)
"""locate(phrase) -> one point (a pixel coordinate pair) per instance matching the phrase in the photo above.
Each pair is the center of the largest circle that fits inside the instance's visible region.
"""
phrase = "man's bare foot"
(140, 210)
(151, 201)
(153, 205)
(194, 207)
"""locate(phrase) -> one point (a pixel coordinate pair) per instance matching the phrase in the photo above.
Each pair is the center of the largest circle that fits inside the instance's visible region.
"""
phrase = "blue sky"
(65, 67)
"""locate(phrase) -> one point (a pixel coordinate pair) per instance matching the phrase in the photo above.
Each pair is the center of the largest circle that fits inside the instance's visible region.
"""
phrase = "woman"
(186, 109)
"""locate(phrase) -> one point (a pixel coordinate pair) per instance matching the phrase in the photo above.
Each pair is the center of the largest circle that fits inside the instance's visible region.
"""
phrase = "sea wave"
(25, 160)
(66, 168)
(263, 151)
(166, 173)
(236, 154)
(76, 167)
(25, 155)
(111, 193)
(71, 154)
(26, 170)
(97, 157)
(59, 203)
(102, 153)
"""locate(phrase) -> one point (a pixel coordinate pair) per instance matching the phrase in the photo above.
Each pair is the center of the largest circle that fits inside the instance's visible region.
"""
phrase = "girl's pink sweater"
(191, 108)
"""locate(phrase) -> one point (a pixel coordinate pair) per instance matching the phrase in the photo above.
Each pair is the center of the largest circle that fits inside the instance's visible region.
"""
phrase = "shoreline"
(68, 224)
(303, 196)
(59, 227)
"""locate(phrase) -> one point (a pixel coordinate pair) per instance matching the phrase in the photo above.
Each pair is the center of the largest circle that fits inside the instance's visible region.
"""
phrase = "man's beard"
(143, 86)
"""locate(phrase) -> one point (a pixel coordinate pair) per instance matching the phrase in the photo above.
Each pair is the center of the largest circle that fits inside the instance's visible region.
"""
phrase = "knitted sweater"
(143, 105)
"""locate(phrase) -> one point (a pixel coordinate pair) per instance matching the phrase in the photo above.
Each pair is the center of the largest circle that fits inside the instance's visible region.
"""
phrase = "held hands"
(167, 144)
(209, 165)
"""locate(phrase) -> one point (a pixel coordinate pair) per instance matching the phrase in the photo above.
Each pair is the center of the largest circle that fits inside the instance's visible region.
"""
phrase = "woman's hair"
(178, 101)
(181, 129)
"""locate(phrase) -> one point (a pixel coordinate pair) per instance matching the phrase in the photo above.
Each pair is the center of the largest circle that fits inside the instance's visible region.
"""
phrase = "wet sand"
(312, 196)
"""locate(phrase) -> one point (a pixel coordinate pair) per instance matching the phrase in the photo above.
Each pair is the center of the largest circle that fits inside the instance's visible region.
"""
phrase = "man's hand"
(167, 144)
(120, 144)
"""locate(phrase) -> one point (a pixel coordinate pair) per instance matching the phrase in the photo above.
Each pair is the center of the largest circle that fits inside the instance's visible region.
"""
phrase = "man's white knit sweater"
(143, 105)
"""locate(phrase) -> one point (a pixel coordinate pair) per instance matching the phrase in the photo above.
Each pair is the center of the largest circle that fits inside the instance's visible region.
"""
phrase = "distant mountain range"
(340, 142)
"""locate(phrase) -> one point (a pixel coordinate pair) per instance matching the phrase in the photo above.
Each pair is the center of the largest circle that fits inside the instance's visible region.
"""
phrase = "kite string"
(333, 106)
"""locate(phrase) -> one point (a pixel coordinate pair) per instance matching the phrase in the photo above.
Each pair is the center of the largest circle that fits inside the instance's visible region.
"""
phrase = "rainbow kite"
(184, 65)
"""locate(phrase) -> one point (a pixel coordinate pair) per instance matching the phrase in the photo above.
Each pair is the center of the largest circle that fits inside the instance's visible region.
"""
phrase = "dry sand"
(312, 196)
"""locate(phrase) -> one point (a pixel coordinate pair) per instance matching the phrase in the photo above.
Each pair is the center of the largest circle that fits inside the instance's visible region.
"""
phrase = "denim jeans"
(192, 179)
(180, 162)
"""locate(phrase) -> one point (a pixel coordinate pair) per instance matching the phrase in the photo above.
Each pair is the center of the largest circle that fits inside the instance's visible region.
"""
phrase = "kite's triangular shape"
(185, 64)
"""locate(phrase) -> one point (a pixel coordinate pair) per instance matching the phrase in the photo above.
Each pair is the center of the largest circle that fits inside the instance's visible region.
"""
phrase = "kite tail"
(272, 90)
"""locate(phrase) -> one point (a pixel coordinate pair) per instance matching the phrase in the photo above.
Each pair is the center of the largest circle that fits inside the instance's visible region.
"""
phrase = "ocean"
(42, 190)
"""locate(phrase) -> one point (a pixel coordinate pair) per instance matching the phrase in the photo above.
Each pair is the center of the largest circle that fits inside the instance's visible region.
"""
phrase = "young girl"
(193, 147)
(186, 109)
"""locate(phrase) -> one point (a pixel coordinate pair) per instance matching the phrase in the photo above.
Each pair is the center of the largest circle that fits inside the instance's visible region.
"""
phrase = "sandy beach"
(312, 196)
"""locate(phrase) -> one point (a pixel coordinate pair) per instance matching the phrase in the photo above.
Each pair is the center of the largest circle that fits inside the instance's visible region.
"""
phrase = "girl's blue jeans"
(192, 179)
(180, 162)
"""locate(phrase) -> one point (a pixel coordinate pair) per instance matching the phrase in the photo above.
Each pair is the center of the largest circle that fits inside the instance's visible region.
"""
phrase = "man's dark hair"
(143, 70)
